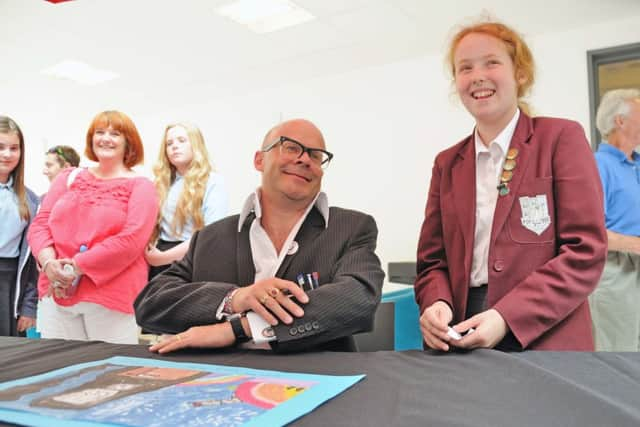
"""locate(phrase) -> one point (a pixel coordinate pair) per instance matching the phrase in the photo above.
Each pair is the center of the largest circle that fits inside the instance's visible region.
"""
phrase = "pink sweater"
(114, 218)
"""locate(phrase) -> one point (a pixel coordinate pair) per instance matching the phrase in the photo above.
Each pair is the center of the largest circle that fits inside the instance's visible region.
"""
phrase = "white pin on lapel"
(293, 248)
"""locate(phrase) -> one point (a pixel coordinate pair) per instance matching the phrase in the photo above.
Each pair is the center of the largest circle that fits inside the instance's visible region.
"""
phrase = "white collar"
(252, 204)
(9, 184)
(503, 139)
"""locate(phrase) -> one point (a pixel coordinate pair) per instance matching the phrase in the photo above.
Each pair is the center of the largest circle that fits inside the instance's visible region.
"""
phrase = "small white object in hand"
(454, 334)
(68, 268)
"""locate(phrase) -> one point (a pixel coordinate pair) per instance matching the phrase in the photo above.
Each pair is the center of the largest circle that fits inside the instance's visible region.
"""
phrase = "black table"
(412, 388)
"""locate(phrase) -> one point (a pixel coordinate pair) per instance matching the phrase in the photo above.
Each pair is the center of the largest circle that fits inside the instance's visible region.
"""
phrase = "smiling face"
(9, 154)
(108, 144)
(296, 180)
(178, 148)
(485, 79)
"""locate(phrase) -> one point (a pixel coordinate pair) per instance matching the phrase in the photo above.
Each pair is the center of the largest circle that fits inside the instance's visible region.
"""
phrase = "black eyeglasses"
(294, 150)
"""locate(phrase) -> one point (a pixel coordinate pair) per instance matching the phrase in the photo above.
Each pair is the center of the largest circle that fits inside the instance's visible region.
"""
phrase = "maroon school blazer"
(538, 280)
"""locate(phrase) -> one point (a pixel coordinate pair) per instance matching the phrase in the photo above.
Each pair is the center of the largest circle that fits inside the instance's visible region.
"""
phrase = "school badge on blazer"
(535, 213)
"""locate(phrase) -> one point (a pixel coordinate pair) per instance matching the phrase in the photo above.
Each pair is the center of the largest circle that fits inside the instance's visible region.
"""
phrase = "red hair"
(134, 151)
(517, 49)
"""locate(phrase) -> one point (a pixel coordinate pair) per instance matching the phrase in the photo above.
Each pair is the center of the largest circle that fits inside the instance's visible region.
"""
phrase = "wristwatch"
(238, 330)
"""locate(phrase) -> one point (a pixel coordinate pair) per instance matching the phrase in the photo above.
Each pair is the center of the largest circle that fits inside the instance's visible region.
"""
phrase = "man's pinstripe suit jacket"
(219, 259)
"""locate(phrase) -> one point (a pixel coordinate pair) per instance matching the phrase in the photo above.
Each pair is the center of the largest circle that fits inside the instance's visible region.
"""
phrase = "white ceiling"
(180, 51)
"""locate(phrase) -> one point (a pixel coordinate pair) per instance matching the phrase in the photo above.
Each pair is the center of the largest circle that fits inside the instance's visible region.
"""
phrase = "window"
(611, 68)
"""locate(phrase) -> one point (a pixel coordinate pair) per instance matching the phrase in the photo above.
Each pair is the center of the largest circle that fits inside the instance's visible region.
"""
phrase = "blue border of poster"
(325, 388)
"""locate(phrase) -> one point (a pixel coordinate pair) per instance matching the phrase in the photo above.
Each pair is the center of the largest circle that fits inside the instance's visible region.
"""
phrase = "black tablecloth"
(413, 388)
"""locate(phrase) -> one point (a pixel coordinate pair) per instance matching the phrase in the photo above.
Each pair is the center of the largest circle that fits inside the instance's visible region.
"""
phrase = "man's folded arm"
(172, 303)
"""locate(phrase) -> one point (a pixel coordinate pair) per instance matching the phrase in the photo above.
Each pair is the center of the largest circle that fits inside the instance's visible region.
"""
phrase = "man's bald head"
(290, 176)
(293, 126)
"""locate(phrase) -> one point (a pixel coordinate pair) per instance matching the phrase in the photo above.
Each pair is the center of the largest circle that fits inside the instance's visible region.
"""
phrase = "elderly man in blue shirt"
(615, 304)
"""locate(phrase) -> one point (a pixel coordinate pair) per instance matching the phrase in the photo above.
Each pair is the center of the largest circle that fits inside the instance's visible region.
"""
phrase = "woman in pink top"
(90, 236)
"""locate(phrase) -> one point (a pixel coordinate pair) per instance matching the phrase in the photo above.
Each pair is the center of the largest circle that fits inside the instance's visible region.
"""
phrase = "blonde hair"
(195, 180)
(517, 49)
(7, 126)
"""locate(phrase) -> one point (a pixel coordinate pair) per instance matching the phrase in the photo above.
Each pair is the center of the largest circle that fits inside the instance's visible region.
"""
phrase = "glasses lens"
(325, 160)
(318, 156)
(291, 149)
(294, 150)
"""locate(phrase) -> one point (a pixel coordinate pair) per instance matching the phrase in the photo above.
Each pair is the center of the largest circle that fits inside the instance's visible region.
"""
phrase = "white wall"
(384, 124)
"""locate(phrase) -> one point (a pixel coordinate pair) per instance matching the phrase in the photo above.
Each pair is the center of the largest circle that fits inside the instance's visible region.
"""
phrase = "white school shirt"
(486, 198)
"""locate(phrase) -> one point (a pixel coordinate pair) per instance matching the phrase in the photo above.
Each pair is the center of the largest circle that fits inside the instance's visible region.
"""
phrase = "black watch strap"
(238, 330)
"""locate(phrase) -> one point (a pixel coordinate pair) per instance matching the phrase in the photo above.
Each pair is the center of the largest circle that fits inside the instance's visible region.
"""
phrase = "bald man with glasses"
(288, 274)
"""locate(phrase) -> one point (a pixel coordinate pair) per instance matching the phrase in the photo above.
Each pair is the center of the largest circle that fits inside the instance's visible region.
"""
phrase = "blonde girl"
(191, 194)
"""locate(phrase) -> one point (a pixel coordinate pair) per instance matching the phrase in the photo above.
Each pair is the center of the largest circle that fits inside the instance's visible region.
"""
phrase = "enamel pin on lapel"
(507, 171)
(293, 248)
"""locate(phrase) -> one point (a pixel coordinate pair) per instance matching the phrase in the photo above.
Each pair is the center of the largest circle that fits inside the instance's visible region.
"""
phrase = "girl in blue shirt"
(191, 194)
(18, 205)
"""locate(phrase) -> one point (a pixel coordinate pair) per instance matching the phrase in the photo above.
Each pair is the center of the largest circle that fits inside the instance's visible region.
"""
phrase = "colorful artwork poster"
(126, 391)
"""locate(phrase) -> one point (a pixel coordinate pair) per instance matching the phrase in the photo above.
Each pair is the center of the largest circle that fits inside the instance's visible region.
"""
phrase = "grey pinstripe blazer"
(219, 260)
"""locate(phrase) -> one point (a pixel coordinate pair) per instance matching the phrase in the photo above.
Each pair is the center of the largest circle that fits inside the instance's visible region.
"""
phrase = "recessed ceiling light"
(79, 72)
(263, 16)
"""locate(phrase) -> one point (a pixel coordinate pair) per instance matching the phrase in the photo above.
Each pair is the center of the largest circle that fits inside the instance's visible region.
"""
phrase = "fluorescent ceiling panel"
(264, 16)
(79, 72)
